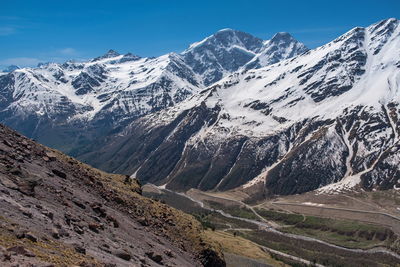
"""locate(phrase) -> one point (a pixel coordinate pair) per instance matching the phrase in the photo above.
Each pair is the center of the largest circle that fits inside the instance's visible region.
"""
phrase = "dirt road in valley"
(381, 218)
(268, 227)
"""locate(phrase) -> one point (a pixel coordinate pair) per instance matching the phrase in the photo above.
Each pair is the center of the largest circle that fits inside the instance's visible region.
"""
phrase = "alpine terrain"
(56, 211)
(230, 112)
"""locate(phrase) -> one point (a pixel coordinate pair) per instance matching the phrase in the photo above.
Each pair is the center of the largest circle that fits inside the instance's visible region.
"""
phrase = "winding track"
(269, 228)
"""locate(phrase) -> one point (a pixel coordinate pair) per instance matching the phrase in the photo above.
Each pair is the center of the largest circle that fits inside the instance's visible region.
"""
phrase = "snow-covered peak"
(221, 53)
(282, 37)
(281, 46)
(229, 50)
(360, 68)
(327, 114)
(110, 54)
(343, 93)
(227, 38)
(11, 68)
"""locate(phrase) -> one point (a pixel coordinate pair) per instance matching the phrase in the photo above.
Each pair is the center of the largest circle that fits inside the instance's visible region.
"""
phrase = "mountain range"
(231, 111)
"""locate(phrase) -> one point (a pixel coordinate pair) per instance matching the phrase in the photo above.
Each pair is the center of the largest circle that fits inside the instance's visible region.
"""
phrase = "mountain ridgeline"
(231, 111)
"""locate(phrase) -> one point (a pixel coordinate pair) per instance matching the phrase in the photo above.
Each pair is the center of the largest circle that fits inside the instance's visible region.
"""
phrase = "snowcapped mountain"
(54, 102)
(228, 50)
(326, 119)
(281, 46)
(11, 68)
(98, 95)
(231, 111)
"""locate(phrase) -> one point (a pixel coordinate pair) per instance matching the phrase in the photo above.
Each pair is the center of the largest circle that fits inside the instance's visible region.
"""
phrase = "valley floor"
(358, 229)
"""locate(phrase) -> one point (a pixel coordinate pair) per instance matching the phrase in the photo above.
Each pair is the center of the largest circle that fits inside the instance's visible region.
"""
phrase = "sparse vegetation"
(49, 251)
(234, 210)
(243, 247)
(345, 233)
(317, 252)
(205, 222)
(286, 218)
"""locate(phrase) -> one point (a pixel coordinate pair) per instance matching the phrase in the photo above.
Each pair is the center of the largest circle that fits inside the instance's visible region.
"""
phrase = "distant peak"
(131, 56)
(111, 53)
(11, 68)
(282, 36)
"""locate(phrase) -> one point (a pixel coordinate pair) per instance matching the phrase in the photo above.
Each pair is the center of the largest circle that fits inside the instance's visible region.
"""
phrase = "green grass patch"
(234, 210)
(286, 218)
(346, 233)
(205, 221)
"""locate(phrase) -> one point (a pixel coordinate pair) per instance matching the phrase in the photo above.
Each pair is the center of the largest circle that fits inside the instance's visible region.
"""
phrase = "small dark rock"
(7, 143)
(24, 143)
(20, 250)
(99, 210)
(79, 248)
(78, 229)
(143, 221)
(169, 253)
(55, 233)
(31, 237)
(49, 214)
(123, 255)
(16, 171)
(20, 234)
(27, 213)
(79, 204)
(113, 220)
(128, 180)
(94, 227)
(19, 158)
(119, 200)
(6, 256)
(59, 173)
(63, 232)
(155, 257)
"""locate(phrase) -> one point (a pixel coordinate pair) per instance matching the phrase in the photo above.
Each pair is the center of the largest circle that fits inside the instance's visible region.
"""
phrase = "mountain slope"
(97, 95)
(56, 210)
(67, 106)
(327, 116)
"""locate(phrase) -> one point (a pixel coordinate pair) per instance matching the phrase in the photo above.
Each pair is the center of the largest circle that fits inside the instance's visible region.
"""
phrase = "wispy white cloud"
(20, 61)
(68, 51)
(7, 30)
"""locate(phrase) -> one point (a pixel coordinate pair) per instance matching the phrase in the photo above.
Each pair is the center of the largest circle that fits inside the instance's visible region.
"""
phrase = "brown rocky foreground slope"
(56, 211)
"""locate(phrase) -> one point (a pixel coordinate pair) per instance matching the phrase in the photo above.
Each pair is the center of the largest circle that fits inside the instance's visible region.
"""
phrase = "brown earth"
(56, 211)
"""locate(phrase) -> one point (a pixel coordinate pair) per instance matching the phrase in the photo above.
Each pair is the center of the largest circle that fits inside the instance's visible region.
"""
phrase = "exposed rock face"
(312, 118)
(328, 116)
(282, 46)
(222, 53)
(67, 106)
(228, 50)
(56, 210)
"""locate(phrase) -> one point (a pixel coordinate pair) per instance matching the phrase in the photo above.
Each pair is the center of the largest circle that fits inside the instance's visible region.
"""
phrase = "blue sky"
(57, 30)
